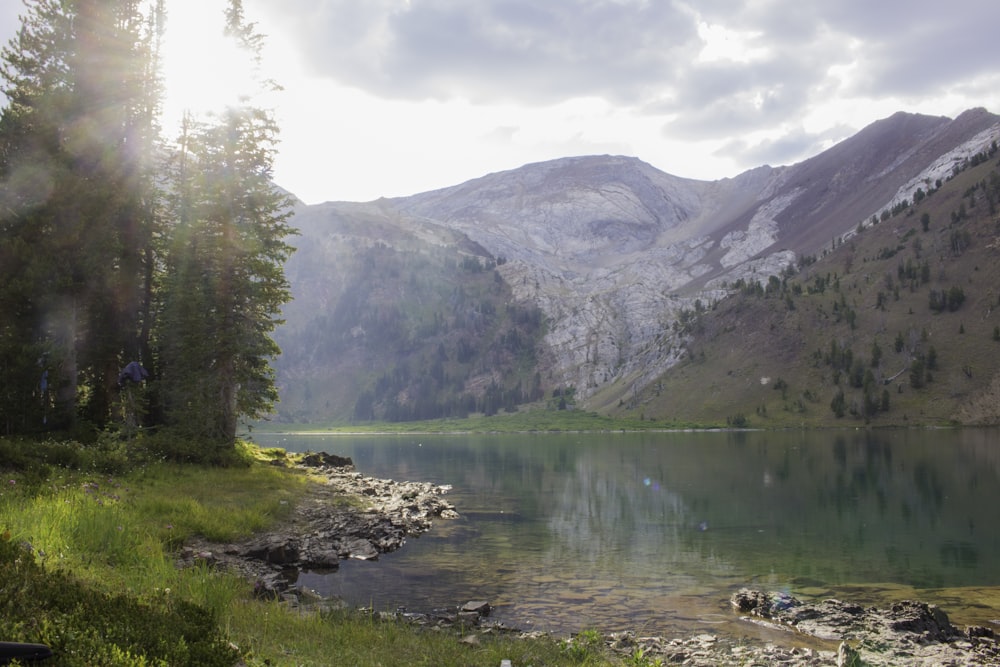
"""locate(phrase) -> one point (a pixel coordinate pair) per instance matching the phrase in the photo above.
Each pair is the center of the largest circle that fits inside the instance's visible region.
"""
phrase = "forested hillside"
(387, 326)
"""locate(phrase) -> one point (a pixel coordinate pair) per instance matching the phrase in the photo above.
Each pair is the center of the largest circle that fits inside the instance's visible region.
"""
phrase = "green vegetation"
(523, 421)
(398, 332)
(888, 327)
(140, 279)
(87, 567)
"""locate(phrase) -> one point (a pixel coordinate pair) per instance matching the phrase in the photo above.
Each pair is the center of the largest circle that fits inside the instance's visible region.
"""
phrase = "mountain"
(896, 323)
(608, 255)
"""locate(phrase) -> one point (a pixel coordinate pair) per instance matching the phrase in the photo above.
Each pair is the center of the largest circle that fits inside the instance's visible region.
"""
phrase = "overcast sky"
(395, 97)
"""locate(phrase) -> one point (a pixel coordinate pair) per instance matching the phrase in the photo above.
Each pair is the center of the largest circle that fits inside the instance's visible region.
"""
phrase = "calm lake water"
(654, 531)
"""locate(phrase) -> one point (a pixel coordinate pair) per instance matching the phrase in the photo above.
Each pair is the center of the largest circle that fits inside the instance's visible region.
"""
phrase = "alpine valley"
(857, 287)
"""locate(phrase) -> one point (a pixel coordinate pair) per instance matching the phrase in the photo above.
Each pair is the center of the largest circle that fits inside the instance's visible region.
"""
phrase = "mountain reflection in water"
(654, 531)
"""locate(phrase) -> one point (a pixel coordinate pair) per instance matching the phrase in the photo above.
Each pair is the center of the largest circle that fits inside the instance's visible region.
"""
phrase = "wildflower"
(13, 482)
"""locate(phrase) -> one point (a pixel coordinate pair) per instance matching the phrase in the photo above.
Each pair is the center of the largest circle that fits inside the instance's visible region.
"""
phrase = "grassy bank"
(525, 421)
(88, 537)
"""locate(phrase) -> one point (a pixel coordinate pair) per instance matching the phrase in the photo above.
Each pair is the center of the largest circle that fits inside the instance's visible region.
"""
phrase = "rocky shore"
(351, 515)
(906, 633)
(348, 515)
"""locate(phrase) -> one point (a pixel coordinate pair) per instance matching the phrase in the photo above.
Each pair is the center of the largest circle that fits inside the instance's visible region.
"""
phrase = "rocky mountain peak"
(613, 250)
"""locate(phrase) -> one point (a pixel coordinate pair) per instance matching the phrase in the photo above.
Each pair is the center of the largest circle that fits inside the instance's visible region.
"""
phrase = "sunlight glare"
(724, 44)
(204, 71)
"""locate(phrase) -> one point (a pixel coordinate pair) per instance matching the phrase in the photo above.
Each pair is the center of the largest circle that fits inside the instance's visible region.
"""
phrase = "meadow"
(88, 542)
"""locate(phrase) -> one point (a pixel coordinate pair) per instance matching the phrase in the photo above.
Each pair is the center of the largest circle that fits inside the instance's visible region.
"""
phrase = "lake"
(654, 531)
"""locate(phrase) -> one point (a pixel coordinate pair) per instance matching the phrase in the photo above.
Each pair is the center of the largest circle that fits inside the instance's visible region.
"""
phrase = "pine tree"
(74, 146)
(227, 283)
(108, 255)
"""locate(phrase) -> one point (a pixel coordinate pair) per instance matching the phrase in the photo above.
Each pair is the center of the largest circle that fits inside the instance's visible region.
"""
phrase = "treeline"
(140, 277)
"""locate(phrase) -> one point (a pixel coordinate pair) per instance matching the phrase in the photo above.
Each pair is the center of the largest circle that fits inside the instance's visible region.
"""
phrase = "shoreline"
(350, 515)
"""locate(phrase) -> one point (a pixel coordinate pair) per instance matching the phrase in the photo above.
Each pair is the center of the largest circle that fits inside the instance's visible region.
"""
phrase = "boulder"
(325, 460)
(877, 636)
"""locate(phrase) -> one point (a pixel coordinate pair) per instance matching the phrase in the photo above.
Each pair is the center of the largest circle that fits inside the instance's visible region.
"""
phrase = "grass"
(524, 421)
(87, 567)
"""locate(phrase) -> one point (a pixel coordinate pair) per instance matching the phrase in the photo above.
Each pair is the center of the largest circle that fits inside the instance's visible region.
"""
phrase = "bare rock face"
(610, 247)
(613, 250)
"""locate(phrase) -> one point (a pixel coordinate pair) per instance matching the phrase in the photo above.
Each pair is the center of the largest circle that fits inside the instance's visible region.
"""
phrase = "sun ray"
(204, 71)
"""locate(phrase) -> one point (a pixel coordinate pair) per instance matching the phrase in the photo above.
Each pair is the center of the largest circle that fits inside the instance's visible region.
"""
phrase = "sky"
(395, 97)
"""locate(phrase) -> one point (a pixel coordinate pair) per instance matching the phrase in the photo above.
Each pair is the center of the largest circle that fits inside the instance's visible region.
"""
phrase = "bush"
(739, 420)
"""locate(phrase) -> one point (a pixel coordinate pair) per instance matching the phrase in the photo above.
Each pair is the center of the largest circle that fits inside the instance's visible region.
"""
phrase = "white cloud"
(393, 97)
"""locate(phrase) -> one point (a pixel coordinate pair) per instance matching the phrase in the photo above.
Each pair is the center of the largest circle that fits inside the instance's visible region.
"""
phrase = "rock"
(325, 460)
(361, 549)
(847, 656)
(760, 603)
(282, 550)
(323, 530)
(467, 617)
(917, 630)
(919, 618)
(747, 601)
(480, 607)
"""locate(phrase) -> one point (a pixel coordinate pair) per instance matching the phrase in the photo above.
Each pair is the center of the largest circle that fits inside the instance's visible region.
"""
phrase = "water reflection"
(611, 529)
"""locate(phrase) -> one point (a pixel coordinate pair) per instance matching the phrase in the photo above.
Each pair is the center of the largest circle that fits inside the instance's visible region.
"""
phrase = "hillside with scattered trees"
(897, 323)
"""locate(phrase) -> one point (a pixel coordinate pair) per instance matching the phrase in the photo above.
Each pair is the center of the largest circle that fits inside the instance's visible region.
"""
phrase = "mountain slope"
(900, 324)
(615, 253)
(398, 322)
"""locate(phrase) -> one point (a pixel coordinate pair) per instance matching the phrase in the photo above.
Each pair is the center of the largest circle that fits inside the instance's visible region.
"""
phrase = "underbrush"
(88, 539)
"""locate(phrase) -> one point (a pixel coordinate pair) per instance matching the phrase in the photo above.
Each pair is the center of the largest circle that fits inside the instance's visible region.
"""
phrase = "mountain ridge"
(613, 250)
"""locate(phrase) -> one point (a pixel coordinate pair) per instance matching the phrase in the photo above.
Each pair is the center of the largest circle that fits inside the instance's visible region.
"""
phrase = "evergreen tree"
(227, 283)
(75, 140)
(108, 255)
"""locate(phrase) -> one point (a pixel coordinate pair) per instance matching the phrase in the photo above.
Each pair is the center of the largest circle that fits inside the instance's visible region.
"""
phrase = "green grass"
(87, 567)
(524, 421)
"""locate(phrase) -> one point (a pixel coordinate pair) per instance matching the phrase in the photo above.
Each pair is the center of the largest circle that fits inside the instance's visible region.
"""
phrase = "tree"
(227, 284)
(77, 204)
(838, 404)
(109, 255)
(918, 373)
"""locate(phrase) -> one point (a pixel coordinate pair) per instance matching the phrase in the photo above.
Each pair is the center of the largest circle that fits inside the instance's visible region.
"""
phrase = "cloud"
(786, 148)
(495, 50)
(643, 53)
(445, 90)
(904, 47)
